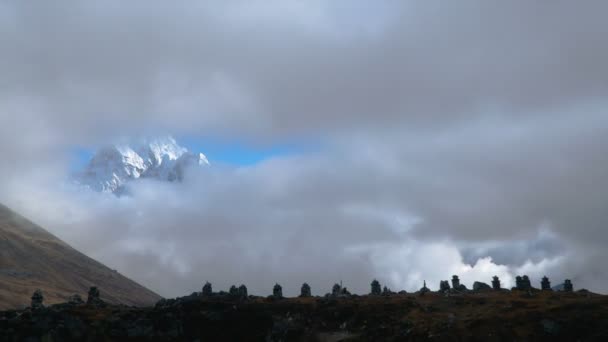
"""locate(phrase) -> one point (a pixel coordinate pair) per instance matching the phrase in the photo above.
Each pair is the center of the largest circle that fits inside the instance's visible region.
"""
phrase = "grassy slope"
(32, 258)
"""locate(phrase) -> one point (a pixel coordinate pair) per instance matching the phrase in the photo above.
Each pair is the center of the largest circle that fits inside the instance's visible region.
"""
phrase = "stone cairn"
(305, 291)
(207, 289)
(376, 288)
(424, 289)
(444, 286)
(495, 283)
(277, 291)
(37, 300)
(523, 283)
(243, 292)
(545, 284)
(456, 285)
(568, 285)
(336, 290)
(93, 297)
(233, 291)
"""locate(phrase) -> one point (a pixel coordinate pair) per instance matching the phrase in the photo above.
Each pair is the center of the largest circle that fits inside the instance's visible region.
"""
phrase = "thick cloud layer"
(462, 138)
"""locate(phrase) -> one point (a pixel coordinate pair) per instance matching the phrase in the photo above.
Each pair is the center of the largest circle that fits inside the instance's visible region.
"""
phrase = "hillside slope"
(31, 258)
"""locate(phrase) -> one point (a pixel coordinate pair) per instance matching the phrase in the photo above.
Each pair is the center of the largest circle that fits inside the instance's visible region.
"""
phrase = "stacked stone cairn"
(545, 284)
(277, 291)
(495, 283)
(243, 292)
(523, 283)
(424, 289)
(305, 291)
(456, 285)
(94, 297)
(376, 288)
(207, 289)
(568, 285)
(37, 300)
(233, 291)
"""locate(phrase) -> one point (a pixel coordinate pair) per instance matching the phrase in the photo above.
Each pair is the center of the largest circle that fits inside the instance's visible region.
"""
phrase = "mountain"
(31, 258)
(112, 167)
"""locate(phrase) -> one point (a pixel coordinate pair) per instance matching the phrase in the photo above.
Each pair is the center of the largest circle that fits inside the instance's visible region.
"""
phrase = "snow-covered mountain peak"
(113, 166)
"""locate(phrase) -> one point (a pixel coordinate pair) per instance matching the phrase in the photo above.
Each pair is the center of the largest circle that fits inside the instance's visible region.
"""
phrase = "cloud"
(460, 138)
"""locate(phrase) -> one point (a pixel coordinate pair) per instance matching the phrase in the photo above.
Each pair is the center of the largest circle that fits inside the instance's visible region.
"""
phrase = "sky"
(348, 140)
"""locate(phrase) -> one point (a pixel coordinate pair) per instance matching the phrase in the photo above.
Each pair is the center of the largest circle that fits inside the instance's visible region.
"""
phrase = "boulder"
(479, 286)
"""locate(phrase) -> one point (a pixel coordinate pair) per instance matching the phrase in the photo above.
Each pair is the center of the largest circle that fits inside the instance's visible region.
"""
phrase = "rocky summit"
(113, 167)
(434, 316)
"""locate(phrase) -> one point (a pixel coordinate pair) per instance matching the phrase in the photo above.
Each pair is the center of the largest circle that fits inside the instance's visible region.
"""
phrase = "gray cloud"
(450, 134)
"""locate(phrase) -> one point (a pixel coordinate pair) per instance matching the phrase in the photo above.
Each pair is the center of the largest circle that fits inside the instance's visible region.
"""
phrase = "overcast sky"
(465, 137)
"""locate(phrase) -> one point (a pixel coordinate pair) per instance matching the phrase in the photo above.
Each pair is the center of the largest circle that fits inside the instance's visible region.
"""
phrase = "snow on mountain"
(112, 167)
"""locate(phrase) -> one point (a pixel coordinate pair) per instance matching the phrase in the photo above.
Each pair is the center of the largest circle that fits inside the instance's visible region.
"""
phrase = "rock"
(277, 291)
(455, 282)
(523, 283)
(424, 289)
(243, 292)
(495, 283)
(336, 290)
(94, 297)
(233, 291)
(305, 291)
(479, 286)
(545, 284)
(568, 285)
(386, 291)
(207, 289)
(444, 286)
(37, 300)
(376, 288)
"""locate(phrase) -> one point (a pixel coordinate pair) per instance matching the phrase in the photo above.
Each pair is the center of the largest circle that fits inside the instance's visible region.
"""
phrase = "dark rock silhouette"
(94, 297)
(277, 291)
(336, 290)
(233, 291)
(456, 285)
(479, 286)
(37, 300)
(376, 288)
(545, 284)
(242, 291)
(305, 291)
(522, 283)
(495, 283)
(207, 289)
(424, 289)
(568, 285)
(444, 286)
